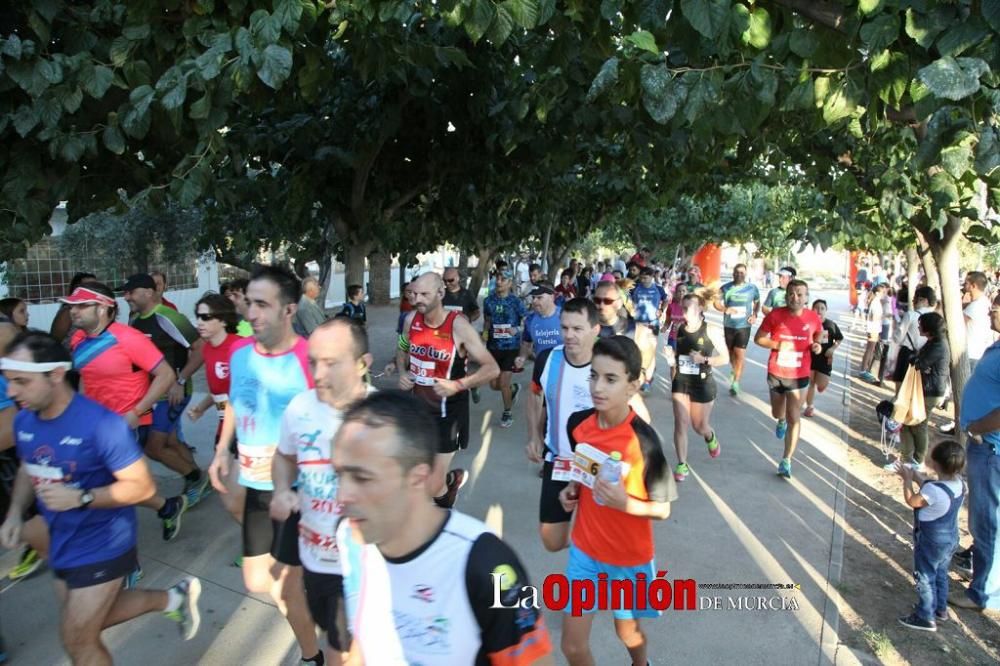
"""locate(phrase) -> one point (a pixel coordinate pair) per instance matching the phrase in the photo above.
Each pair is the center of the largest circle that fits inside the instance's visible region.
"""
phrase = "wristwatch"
(181, 381)
(86, 498)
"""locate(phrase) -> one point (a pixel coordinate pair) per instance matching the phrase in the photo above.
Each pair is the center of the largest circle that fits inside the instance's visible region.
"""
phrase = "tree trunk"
(946, 256)
(379, 277)
(912, 270)
(485, 258)
(546, 263)
(558, 263)
(929, 265)
(355, 254)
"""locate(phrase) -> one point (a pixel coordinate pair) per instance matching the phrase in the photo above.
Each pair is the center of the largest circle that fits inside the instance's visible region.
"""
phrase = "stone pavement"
(735, 522)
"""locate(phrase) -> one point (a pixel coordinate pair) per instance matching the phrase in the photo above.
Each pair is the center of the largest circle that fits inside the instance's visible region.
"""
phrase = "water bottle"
(611, 471)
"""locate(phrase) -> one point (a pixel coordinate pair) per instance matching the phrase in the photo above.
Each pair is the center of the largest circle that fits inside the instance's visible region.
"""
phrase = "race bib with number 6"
(587, 461)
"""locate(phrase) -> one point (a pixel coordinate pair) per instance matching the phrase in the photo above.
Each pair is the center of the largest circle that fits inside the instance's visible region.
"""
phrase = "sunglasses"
(450, 280)
(206, 317)
(605, 301)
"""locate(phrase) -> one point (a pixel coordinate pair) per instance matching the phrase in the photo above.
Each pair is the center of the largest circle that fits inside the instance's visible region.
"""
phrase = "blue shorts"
(167, 417)
(583, 567)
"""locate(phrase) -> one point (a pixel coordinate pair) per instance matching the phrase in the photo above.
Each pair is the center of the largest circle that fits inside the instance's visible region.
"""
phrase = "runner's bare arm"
(533, 409)
(763, 339)
(21, 496)
(195, 361)
(402, 357)
(284, 470)
(614, 496)
(718, 303)
(163, 379)
(195, 411)
(721, 356)
(475, 350)
(7, 428)
(647, 347)
(219, 466)
(987, 424)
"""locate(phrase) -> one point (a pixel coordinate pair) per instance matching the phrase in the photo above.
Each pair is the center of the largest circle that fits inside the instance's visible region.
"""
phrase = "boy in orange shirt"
(613, 534)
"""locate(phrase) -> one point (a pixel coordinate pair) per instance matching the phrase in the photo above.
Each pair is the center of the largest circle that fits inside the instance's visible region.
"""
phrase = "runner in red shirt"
(791, 333)
(217, 323)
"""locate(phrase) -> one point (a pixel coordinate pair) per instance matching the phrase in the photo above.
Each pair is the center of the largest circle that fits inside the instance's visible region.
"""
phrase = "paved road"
(735, 522)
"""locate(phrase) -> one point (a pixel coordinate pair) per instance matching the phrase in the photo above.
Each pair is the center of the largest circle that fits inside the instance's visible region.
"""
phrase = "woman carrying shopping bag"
(932, 362)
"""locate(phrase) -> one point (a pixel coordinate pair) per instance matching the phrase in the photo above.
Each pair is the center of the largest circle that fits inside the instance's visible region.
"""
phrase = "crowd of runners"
(314, 463)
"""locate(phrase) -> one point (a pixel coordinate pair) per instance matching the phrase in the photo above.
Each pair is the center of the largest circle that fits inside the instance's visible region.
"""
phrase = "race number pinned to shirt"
(686, 366)
(42, 475)
(503, 331)
(789, 358)
(587, 461)
(422, 371)
(255, 462)
(562, 469)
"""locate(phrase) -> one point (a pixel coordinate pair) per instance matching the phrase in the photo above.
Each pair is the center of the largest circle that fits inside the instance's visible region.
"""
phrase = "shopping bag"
(909, 408)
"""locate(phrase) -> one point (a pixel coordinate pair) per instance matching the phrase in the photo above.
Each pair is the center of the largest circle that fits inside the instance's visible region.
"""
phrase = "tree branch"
(405, 198)
(822, 12)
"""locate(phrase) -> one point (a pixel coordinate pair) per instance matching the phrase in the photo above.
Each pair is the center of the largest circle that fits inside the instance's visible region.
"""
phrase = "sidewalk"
(735, 522)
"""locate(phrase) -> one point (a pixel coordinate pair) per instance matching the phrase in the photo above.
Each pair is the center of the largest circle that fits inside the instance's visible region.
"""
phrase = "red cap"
(83, 295)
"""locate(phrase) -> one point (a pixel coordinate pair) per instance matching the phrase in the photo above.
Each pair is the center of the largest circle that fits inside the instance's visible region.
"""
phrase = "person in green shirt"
(776, 297)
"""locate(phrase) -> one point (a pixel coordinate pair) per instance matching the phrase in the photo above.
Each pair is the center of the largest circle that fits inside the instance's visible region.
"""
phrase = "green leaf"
(209, 64)
(96, 80)
(890, 76)
(266, 29)
(174, 96)
(869, 6)
(136, 120)
(113, 139)
(880, 33)
(200, 109)
(120, 50)
(988, 152)
(276, 67)
(500, 29)
(524, 12)
(943, 191)
(924, 28)
(802, 97)
(709, 17)
(838, 105)
(49, 110)
(956, 160)
(136, 33)
(758, 35)
(611, 8)
(703, 94)
(72, 99)
(288, 12)
(546, 10)
(72, 148)
(991, 12)
(953, 78)
(12, 47)
(661, 95)
(25, 119)
(803, 42)
(605, 78)
(479, 18)
(49, 70)
(643, 40)
(960, 37)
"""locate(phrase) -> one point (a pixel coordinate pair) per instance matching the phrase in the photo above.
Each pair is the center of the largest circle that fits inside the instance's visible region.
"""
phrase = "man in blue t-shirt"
(502, 316)
(82, 465)
(739, 300)
(650, 301)
(542, 329)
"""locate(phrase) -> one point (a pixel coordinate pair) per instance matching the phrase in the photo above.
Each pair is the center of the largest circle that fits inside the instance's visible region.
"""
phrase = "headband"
(29, 366)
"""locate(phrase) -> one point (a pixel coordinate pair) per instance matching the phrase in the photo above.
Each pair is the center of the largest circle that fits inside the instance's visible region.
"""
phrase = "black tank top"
(688, 343)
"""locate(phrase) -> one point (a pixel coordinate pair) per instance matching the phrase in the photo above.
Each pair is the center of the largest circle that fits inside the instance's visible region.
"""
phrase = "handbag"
(908, 406)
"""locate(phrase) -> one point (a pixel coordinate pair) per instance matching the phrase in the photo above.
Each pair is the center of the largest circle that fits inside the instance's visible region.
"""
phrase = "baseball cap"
(83, 295)
(138, 281)
(542, 288)
(506, 274)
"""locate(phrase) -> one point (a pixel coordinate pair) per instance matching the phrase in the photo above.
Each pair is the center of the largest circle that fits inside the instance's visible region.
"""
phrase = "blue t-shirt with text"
(83, 448)
(543, 332)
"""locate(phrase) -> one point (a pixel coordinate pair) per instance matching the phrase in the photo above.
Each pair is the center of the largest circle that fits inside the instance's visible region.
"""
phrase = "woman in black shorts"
(700, 347)
(822, 363)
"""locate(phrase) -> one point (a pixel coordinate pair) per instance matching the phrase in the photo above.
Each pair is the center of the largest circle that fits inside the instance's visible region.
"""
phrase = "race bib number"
(562, 469)
(587, 461)
(322, 546)
(422, 371)
(824, 337)
(789, 358)
(503, 331)
(255, 462)
(686, 366)
(42, 475)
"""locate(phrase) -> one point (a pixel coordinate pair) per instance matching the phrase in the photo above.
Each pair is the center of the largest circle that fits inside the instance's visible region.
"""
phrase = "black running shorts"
(262, 536)
(325, 597)
(737, 338)
(550, 509)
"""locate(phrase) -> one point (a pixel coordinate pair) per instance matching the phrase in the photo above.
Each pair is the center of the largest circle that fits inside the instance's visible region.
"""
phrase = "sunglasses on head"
(605, 301)
(203, 316)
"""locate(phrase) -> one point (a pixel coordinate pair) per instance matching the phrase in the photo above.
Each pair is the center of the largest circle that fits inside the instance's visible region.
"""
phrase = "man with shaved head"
(431, 357)
(457, 297)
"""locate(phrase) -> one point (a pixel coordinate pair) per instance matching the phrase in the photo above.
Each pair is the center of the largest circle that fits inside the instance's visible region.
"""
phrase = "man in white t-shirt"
(978, 334)
(422, 584)
(338, 354)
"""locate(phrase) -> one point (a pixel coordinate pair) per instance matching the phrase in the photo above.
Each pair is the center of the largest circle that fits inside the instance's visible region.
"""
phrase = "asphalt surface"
(737, 529)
